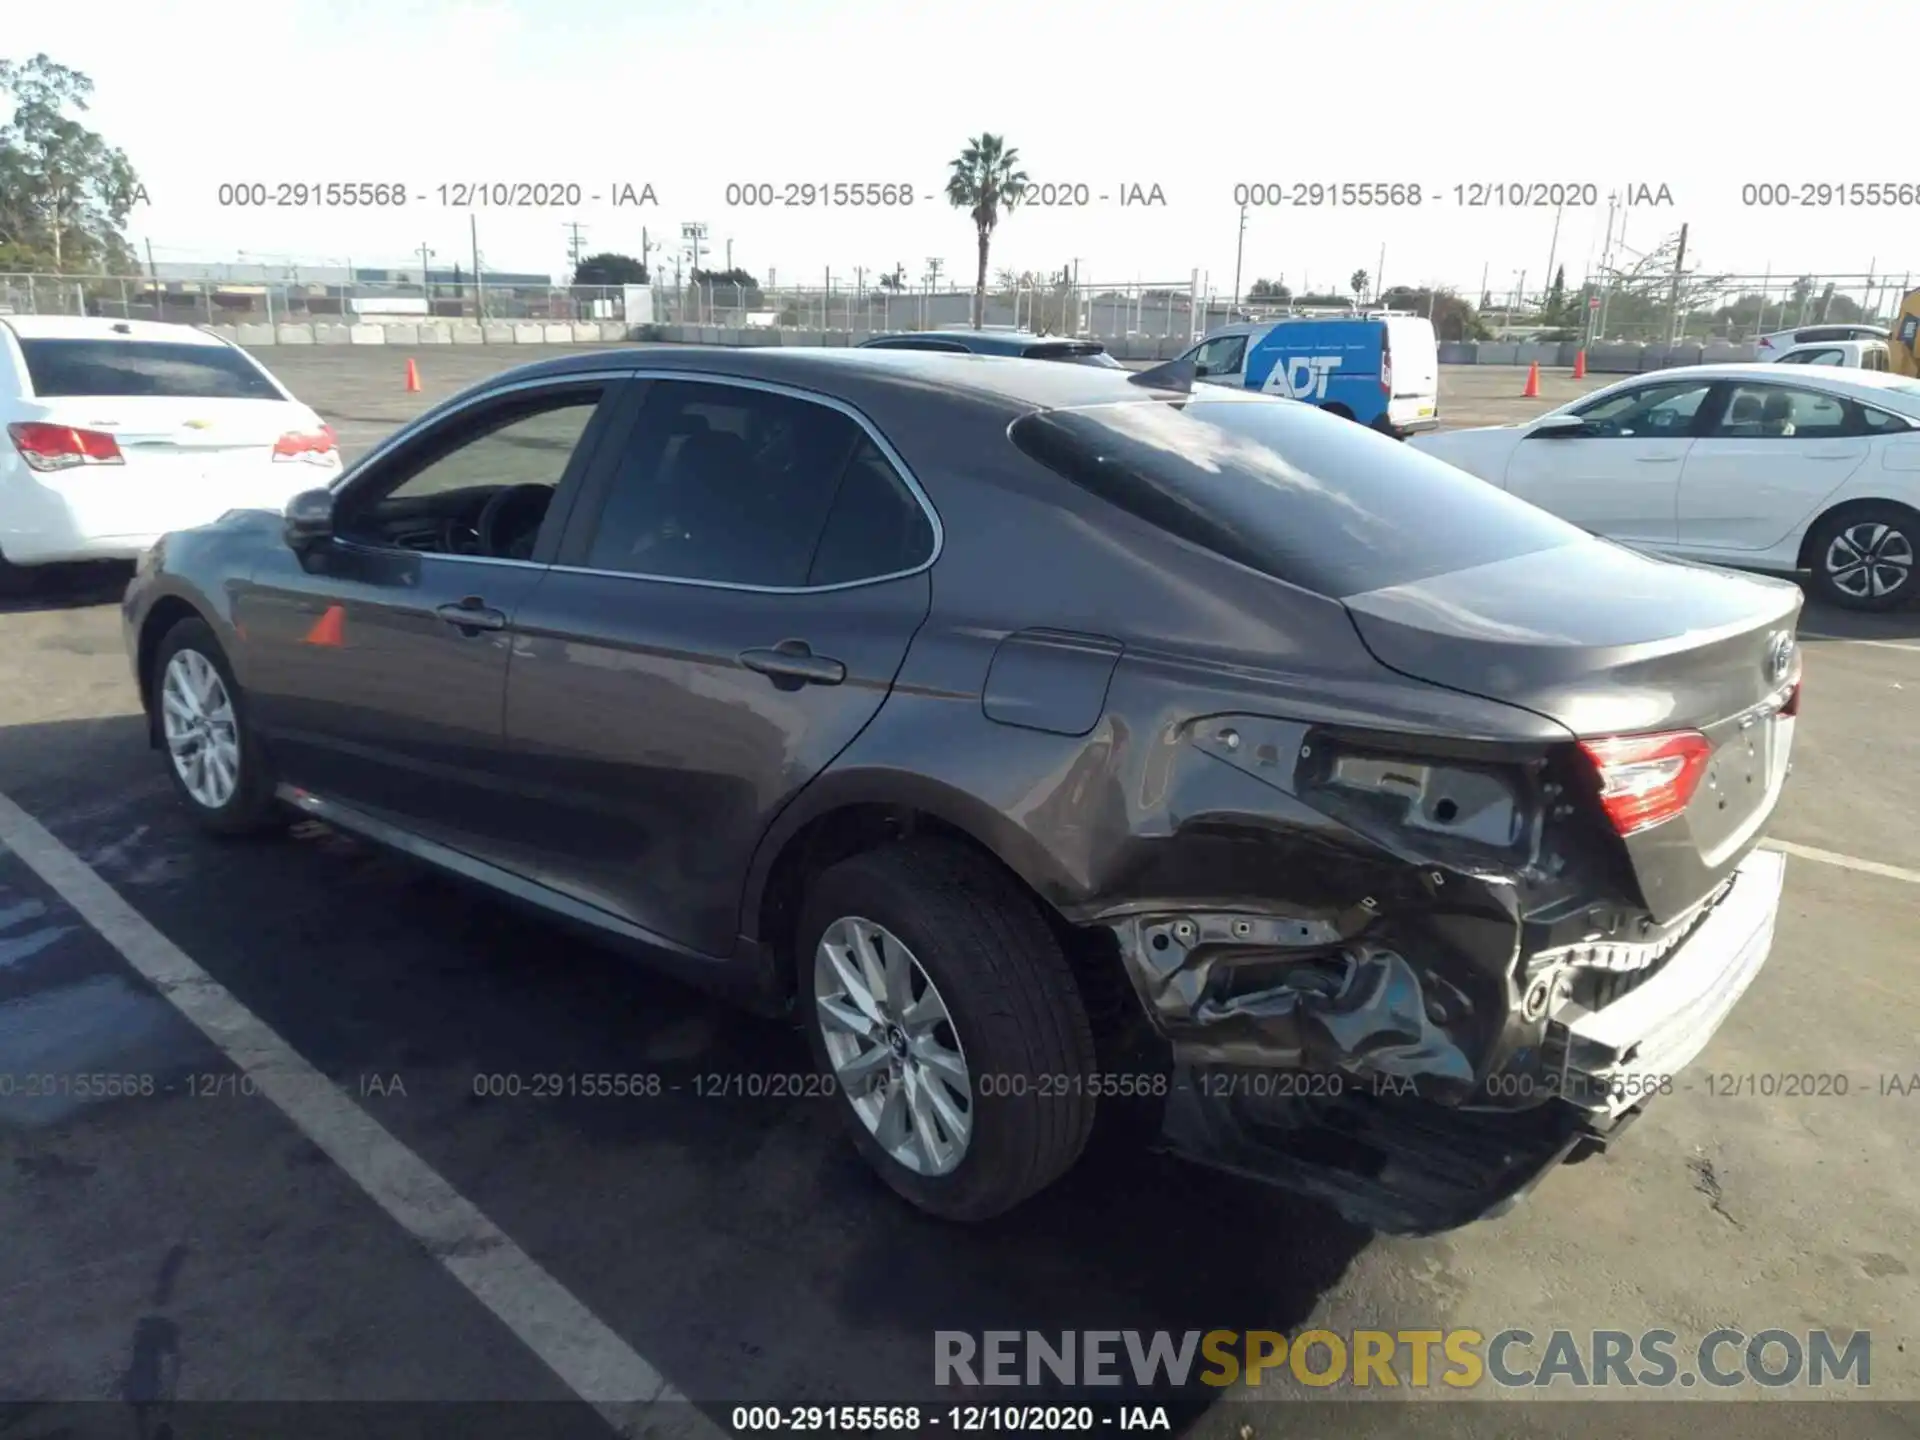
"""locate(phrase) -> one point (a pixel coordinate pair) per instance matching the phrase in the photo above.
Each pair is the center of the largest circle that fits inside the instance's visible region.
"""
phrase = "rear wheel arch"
(1809, 539)
(1336, 408)
(803, 847)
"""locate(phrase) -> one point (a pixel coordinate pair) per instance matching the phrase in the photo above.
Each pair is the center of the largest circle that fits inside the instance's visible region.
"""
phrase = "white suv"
(1772, 347)
(118, 431)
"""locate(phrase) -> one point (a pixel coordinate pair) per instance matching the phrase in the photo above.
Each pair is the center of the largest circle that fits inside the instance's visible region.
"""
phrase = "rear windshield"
(142, 367)
(1074, 354)
(1285, 489)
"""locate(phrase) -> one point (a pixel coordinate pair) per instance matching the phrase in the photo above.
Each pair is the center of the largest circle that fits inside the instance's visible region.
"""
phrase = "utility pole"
(479, 285)
(1553, 248)
(575, 249)
(153, 273)
(426, 292)
(729, 253)
(1239, 249)
(1673, 292)
(1380, 276)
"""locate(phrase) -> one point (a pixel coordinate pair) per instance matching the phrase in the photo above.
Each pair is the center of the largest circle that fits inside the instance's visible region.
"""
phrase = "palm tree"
(984, 182)
(1358, 280)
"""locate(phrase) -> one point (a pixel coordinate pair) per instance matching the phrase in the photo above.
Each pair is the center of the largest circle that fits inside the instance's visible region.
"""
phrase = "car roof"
(1021, 384)
(95, 327)
(983, 342)
(1760, 370)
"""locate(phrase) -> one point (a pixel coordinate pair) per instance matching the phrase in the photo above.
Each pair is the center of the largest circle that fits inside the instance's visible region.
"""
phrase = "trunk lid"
(1610, 642)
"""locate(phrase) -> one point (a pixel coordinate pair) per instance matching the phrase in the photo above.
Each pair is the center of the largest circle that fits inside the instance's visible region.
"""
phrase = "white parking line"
(1850, 640)
(1845, 862)
(596, 1364)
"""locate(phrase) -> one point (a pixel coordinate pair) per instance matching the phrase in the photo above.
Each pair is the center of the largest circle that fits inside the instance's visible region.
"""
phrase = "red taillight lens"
(1792, 706)
(61, 447)
(314, 446)
(1645, 779)
(1386, 369)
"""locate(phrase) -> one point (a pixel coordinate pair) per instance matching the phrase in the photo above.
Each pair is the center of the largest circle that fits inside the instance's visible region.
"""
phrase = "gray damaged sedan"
(1053, 743)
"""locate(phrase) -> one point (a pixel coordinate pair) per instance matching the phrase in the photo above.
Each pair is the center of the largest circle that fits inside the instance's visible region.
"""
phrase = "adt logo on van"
(1304, 377)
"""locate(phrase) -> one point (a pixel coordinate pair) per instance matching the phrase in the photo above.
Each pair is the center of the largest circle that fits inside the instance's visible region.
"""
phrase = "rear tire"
(200, 721)
(1863, 556)
(1384, 426)
(964, 933)
(16, 580)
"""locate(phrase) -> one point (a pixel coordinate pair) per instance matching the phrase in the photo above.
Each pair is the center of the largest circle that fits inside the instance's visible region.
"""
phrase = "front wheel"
(1863, 558)
(200, 719)
(940, 1001)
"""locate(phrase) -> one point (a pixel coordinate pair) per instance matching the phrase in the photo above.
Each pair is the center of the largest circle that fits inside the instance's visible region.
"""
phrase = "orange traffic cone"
(413, 376)
(1532, 392)
(1579, 364)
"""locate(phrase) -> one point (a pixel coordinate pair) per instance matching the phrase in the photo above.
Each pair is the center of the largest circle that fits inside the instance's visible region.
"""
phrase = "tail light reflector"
(316, 447)
(1792, 706)
(61, 447)
(1645, 779)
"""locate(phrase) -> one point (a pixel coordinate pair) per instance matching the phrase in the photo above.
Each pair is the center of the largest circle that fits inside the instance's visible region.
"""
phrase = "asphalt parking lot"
(196, 1242)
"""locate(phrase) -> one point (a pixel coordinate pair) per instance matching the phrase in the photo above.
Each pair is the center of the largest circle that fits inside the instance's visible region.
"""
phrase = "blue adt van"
(1380, 369)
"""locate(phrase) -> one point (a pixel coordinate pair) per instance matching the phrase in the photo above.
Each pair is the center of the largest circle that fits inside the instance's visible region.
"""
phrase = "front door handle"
(1657, 459)
(471, 616)
(792, 663)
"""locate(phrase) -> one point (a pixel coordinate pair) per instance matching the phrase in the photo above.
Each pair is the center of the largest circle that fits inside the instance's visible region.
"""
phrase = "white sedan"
(118, 431)
(1742, 465)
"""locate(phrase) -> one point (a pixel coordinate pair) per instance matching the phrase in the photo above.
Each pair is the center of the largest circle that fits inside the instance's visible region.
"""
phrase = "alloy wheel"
(893, 1045)
(202, 735)
(1869, 560)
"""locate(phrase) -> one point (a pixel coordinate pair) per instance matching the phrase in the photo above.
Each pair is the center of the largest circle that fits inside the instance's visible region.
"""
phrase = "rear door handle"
(471, 616)
(1831, 455)
(792, 663)
(1657, 459)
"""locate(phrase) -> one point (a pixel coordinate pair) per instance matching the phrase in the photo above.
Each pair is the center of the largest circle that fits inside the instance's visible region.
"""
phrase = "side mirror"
(309, 519)
(1557, 427)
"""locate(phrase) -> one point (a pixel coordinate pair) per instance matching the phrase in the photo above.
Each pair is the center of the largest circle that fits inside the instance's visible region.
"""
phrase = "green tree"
(985, 181)
(1273, 290)
(65, 194)
(1358, 283)
(610, 267)
(1453, 317)
(1554, 312)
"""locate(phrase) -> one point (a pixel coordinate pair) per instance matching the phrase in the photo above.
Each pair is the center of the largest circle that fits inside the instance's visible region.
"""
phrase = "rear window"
(1287, 490)
(1074, 354)
(140, 367)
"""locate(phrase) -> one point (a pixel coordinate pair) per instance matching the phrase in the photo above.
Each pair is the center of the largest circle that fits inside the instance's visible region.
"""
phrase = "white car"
(1772, 347)
(1742, 465)
(118, 431)
(1848, 354)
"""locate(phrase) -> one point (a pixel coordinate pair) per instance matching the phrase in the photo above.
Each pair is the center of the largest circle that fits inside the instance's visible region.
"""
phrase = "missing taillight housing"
(315, 447)
(1648, 779)
(61, 447)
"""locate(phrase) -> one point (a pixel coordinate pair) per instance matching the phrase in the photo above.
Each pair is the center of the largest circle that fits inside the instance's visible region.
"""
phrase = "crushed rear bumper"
(1403, 1156)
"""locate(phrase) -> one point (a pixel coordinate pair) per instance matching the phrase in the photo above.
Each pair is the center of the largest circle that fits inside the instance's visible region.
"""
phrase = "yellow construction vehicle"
(1905, 338)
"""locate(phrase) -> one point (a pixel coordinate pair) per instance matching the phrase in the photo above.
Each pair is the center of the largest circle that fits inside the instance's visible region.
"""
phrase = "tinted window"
(945, 346)
(1290, 491)
(1646, 411)
(730, 484)
(1781, 412)
(142, 367)
(876, 527)
(1879, 422)
(1814, 357)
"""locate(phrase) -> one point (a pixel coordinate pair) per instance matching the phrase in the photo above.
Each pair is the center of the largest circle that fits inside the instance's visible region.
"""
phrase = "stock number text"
(1821, 195)
(808, 194)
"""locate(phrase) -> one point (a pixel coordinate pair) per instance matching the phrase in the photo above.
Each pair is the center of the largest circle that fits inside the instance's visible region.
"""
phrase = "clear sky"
(688, 96)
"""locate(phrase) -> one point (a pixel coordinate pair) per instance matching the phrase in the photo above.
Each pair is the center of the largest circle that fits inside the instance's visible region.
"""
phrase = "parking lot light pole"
(1239, 249)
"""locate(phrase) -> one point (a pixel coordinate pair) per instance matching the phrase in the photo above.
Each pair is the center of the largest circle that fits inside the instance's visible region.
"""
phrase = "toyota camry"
(1049, 742)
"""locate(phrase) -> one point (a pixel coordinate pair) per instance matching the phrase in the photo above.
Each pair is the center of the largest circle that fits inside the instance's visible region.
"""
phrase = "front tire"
(200, 719)
(938, 997)
(1863, 557)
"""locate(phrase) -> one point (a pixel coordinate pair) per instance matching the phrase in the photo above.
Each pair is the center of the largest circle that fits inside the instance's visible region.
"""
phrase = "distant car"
(119, 431)
(1009, 723)
(1021, 343)
(1381, 370)
(1814, 468)
(1772, 347)
(1847, 354)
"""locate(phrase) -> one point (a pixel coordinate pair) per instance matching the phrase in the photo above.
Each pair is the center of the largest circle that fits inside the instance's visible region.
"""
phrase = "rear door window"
(1289, 491)
(1074, 353)
(68, 368)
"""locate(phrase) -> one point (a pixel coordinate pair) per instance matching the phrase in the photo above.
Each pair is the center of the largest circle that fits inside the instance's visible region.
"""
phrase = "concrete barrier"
(436, 334)
(1458, 352)
(293, 334)
(466, 332)
(401, 334)
(584, 332)
(330, 335)
(1499, 354)
(612, 330)
(496, 332)
(232, 333)
(528, 332)
(366, 334)
(556, 334)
